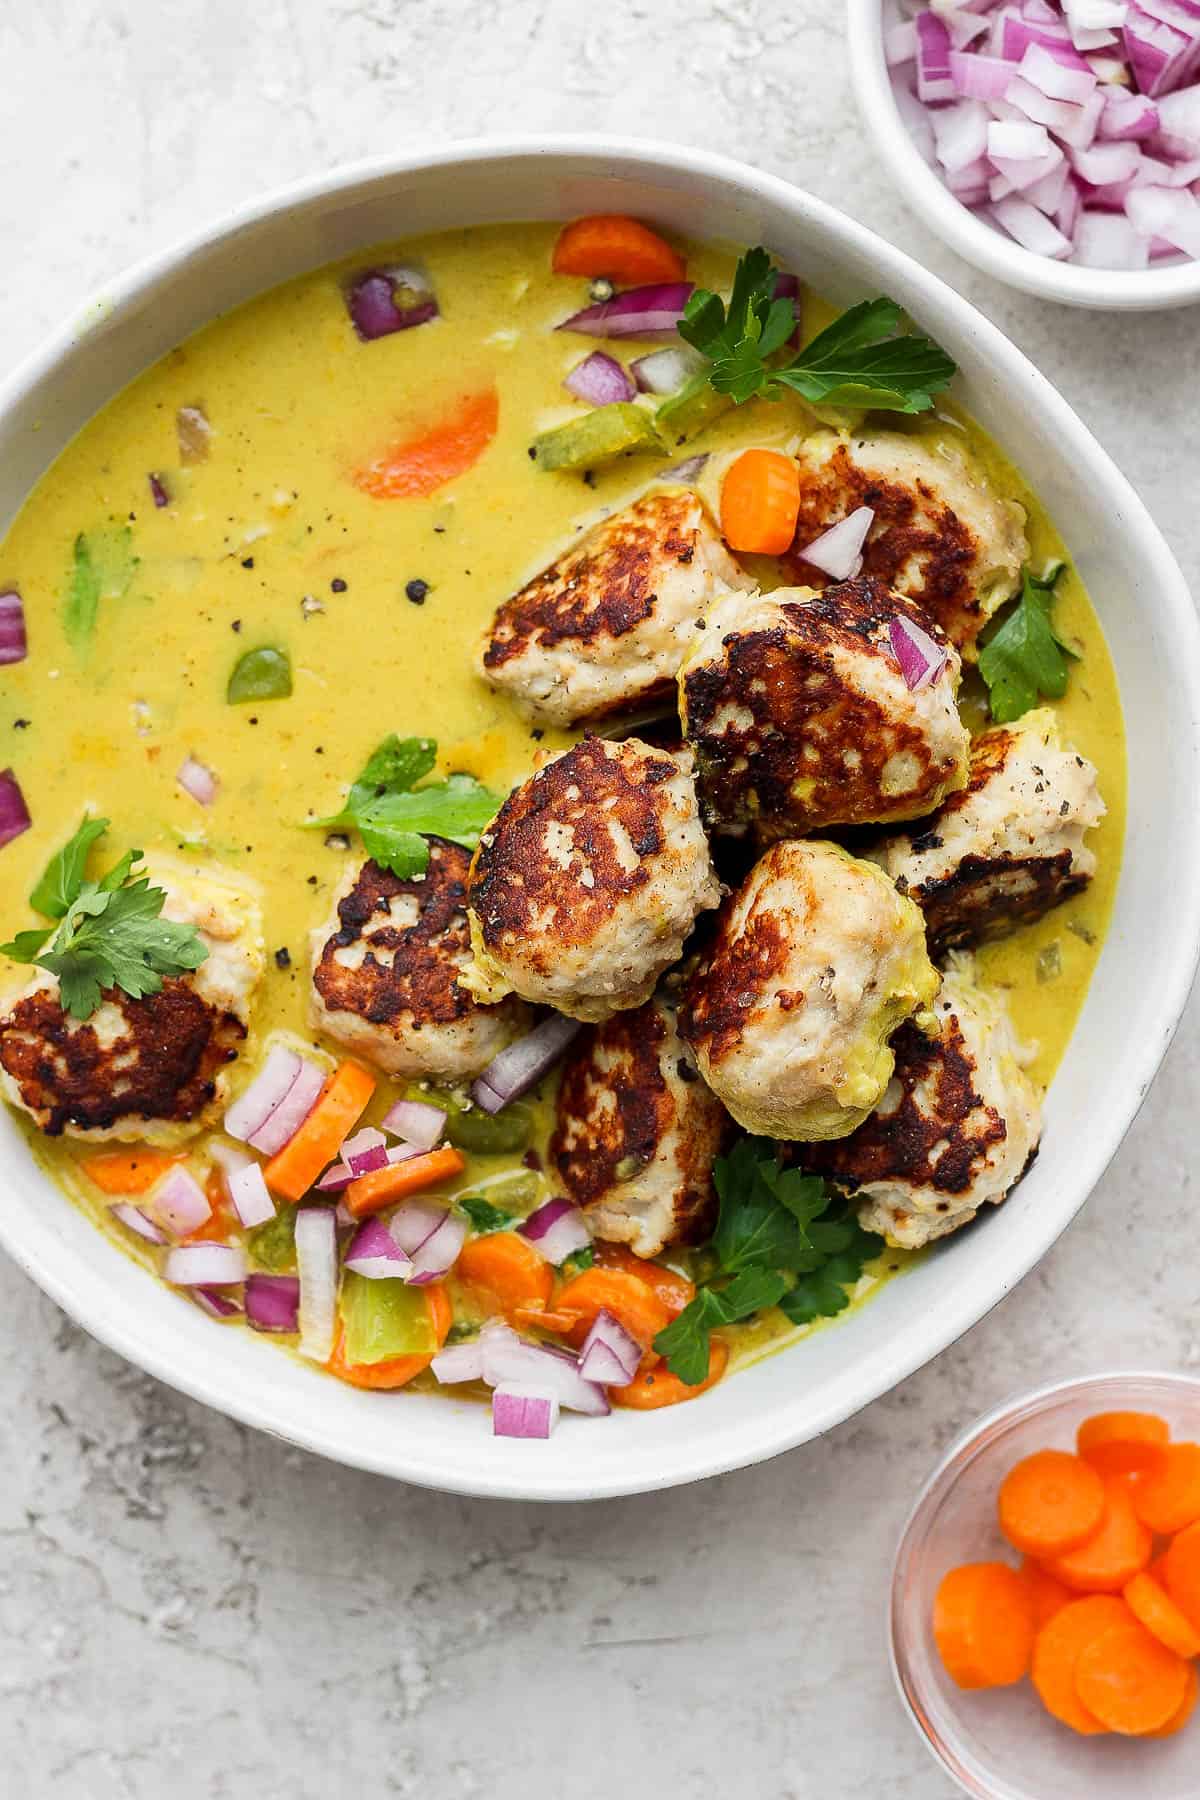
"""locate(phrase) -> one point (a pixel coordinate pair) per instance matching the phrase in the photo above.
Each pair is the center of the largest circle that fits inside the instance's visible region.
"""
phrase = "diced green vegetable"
(103, 566)
(485, 1134)
(600, 435)
(273, 1245)
(694, 407)
(261, 674)
(383, 1319)
(1049, 962)
(501, 1201)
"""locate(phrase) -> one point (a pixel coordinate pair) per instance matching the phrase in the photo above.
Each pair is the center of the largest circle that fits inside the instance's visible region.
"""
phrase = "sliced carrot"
(760, 502)
(617, 246)
(556, 1319)
(127, 1171)
(1154, 1608)
(1186, 1709)
(394, 1371)
(627, 1297)
(675, 1291)
(1056, 1653)
(1049, 1503)
(1129, 1681)
(983, 1625)
(382, 1187)
(292, 1171)
(427, 460)
(1122, 1443)
(1117, 1550)
(1047, 1595)
(504, 1273)
(1181, 1568)
(657, 1386)
(1167, 1497)
(221, 1221)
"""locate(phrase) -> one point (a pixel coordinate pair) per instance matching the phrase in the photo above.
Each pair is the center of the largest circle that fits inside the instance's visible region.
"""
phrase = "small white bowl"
(1106, 290)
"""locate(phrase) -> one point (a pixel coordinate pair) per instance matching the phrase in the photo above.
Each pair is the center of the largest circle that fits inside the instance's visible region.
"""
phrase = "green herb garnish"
(782, 1239)
(859, 360)
(484, 1217)
(1024, 658)
(102, 567)
(261, 674)
(393, 816)
(110, 933)
(579, 1260)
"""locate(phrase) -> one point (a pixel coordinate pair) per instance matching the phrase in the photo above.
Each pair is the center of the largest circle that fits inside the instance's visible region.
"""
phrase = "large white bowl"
(1144, 973)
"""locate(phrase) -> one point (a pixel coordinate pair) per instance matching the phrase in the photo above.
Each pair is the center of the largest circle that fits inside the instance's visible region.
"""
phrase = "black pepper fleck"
(247, 562)
(537, 734)
(253, 719)
(235, 625)
(532, 454)
(588, 478)
(416, 591)
(337, 585)
(283, 957)
(20, 724)
(312, 881)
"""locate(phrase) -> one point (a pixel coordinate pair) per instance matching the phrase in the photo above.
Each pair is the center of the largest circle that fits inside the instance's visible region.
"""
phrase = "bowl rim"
(1115, 290)
(768, 1432)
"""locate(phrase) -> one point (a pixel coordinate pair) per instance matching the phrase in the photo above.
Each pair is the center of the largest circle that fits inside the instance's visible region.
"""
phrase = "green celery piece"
(697, 404)
(273, 1245)
(383, 1319)
(103, 566)
(485, 1134)
(264, 673)
(597, 437)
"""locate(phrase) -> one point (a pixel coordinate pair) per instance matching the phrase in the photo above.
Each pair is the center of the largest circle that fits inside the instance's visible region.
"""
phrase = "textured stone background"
(189, 1609)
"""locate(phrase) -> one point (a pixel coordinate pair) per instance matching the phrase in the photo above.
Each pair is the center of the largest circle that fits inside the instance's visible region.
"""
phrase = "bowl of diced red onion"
(1055, 144)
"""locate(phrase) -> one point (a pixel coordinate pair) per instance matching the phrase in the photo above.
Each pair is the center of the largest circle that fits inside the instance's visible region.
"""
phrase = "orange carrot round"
(1122, 1443)
(1167, 1497)
(1154, 1608)
(1129, 1681)
(394, 1371)
(1187, 1707)
(1056, 1653)
(504, 1273)
(614, 245)
(983, 1625)
(127, 1171)
(292, 1170)
(425, 461)
(657, 1386)
(675, 1291)
(370, 1193)
(1047, 1595)
(760, 502)
(1181, 1569)
(1049, 1503)
(1117, 1550)
(627, 1297)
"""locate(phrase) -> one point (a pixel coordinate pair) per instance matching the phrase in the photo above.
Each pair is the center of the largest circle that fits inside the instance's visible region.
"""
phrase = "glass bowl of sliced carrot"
(1045, 1602)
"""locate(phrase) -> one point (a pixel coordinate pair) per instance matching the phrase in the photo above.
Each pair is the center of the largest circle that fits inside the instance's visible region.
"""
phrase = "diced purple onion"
(414, 1222)
(197, 780)
(920, 657)
(507, 1357)
(439, 1252)
(204, 1265)
(1104, 164)
(250, 1196)
(838, 551)
(381, 301)
(609, 1354)
(158, 490)
(250, 1112)
(1179, 124)
(1169, 213)
(556, 1230)
(14, 814)
(365, 1151)
(179, 1202)
(685, 471)
(375, 1253)
(521, 1065)
(216, 1304)
(521, 1411)
(459, 1362)
(1031, 228)
(273, 1302)
(934, 79)
(666, 371)
(653, 311)
(135, 1220)
(1108, 240)
(286, 1119)
(900, 43)
(600, 380)
(1055, 79)
(417, 1122)
(961, 134)
(980, 77)
(14, 644)
(316, 1261)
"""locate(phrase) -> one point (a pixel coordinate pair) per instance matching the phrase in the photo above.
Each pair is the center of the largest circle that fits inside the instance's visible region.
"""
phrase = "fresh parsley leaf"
(25, 946)
(103, 566)
(395, 766)
(1024, 658)
(483, 1215)
(393, 816)
(63, 875)
(823, 1291)
(579, 1260)
(764, 1210)
(858, 360)
(114, 937)
(684, 1342)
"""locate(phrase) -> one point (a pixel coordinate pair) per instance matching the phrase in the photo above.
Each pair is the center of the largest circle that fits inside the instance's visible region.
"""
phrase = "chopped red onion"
(507, 1357)
(273, 1302)
(459, 1362)
(666, 371)
(521, 1065)
(600, 380)
(193, 433)
(439, 1252)
(980, 77)
(1106, 163)
(251, 1199)
(286, 1119)
(838, 551)
(653, 311)
(609, 1354)
(417, 1122)
(934, 80)
(14, 644)
(414, 1222)
(134, 1219)
(1179, 124)
(365, 1151)
(961, 134)
(381, 301)
(1055, 79)
(158, 490)
(316, 1261)
(216, 1304)
(556, 1230)
(375, 1253)
(920, 657)
(250, 1112)
(204, 1265)
(522, 1411)
(1170, 213)
(1107, 240)
(1127, 116)
(684, 471)
(14, 814)
(1031, 228)
(198, 781)
(900, 43)
(179, 1202)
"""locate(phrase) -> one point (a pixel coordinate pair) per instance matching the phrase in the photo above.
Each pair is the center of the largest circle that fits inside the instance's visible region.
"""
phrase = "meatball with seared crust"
(801, 718)
(815, 963)
(1008, 846)
(588, 880)
(637, 1131)
(941, 535)
(955, 1130)
(604, 628)
(154, 1070)
(386, 972)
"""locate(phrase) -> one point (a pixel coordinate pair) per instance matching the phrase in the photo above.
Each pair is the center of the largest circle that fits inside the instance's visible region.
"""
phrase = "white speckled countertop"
(189, 1609)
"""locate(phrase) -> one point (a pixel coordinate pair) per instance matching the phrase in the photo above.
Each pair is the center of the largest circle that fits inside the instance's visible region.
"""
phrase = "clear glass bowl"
(1002, 1744)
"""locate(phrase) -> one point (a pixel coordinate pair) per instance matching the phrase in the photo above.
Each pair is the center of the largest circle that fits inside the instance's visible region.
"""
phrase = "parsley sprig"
(392, 814)
(782, 1239)
(1025, 658)
(858, 361)
(110, 932)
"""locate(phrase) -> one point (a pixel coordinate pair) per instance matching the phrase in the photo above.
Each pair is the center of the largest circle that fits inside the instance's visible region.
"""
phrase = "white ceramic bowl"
(1144, 973)
(1111, 290)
